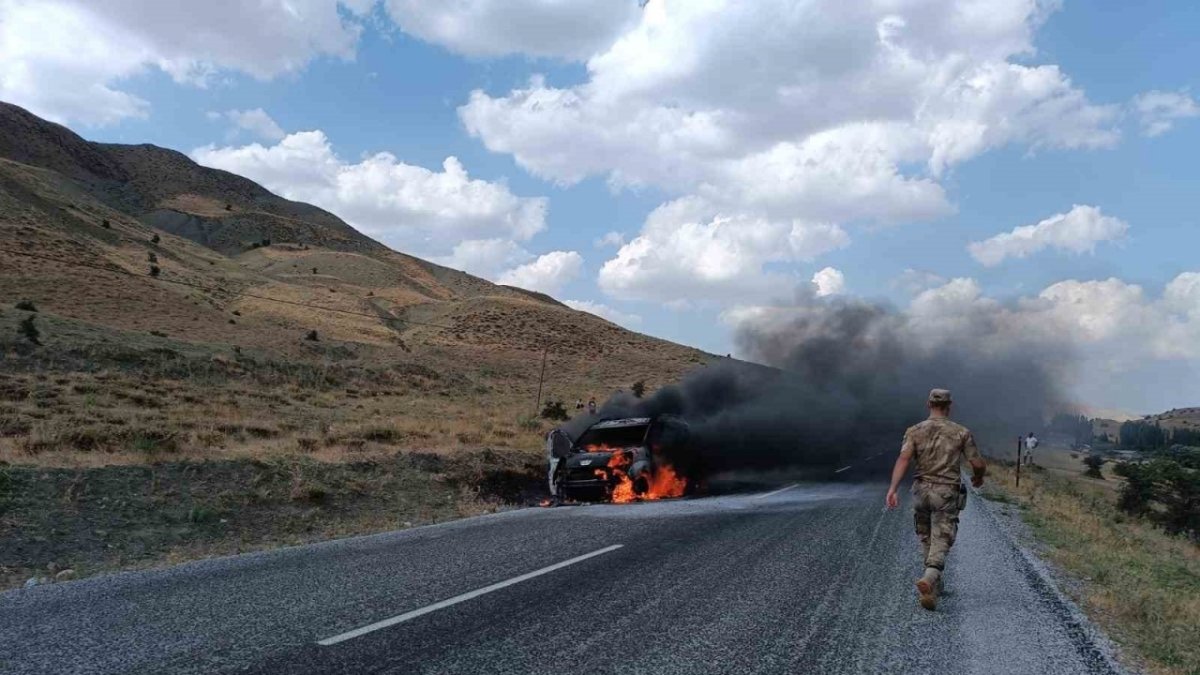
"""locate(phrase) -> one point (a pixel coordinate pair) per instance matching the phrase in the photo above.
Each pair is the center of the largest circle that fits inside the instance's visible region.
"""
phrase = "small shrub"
(314, 270)
(27, 306)
(105, 224)
(229, 207)
(155, 239)
(529, 423)
(311, 493)
(200, 514)
(1093, 464)
(555, 410)
(155, 271)
(29, 331)
(1138, 491)
(312, 336)
(469, 437)
(153, 443)
(639, 388)
(265, 242)
(1165, 491)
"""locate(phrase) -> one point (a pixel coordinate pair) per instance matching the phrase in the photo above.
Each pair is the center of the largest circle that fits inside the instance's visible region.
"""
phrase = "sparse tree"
(29, 331)
(638, 388)
(1138, 491)
(1093, 464)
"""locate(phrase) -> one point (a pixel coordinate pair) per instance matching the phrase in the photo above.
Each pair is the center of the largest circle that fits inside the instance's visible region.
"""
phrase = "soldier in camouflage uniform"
(938, 447)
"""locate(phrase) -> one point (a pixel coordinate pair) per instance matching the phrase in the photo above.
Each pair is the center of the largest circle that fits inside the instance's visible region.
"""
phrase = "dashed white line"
(407, 616)
(843, 468)
(775, 492)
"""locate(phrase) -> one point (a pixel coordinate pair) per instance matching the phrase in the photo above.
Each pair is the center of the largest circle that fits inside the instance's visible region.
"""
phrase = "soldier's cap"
(940, 396)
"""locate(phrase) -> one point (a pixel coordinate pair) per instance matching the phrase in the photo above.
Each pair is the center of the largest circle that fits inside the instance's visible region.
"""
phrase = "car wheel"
(641, 483)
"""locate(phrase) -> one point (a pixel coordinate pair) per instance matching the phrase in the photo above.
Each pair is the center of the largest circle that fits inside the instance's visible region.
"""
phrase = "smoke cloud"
(844, 377)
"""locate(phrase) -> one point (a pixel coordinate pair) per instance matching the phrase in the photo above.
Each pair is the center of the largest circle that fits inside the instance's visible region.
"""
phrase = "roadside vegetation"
(1133, 575)
(125, 450)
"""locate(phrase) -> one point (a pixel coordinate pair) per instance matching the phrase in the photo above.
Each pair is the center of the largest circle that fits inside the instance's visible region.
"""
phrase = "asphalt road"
(815, 578)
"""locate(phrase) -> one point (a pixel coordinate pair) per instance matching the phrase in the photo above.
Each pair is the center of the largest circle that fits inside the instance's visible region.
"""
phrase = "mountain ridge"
(141, 206)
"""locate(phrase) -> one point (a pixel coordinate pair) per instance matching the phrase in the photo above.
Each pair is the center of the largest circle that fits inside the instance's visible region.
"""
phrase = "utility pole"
(1019, 461)
(542, 378)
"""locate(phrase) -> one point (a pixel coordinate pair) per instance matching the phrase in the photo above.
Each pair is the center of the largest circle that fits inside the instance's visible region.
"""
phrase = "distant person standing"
(592, 406)
(937, 446)
(1030, 444)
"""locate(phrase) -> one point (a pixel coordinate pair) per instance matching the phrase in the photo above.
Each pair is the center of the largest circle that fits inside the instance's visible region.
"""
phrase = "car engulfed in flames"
(622, 460)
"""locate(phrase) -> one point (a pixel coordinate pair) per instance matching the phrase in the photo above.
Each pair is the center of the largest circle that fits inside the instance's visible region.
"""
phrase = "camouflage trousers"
(935, 511)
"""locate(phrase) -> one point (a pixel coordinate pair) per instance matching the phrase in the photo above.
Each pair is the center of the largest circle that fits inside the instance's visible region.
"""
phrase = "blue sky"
(874, 146)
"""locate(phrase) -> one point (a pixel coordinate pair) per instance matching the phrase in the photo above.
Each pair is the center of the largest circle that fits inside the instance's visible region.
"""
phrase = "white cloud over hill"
(410, 207)
(1076, 231)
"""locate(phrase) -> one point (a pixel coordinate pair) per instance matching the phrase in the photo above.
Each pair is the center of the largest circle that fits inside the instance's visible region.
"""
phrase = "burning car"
(622, 460)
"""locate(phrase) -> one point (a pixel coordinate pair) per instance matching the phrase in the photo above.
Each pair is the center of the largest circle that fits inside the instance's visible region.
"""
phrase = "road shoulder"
(1095, 648)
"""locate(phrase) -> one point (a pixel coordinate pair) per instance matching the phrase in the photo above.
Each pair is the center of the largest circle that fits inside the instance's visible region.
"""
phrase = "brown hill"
(136, 253)
(269, 374)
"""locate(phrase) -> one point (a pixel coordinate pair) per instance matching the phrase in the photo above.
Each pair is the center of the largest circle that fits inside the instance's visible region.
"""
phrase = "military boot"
(928, 587)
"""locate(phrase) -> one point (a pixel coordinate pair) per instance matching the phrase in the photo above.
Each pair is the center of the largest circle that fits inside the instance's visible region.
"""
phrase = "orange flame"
(665, 483)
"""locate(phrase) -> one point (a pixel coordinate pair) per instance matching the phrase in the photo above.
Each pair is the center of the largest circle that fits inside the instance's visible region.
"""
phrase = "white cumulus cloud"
(255, 121)
(572, 29)
(67, 60)
(605, 312)
(799, 118)
(410, 207)
(616, 239)
(549, 273)
(486, 258)
(1159, 110)
(829, 281)
(1076, 231)
(690, 250)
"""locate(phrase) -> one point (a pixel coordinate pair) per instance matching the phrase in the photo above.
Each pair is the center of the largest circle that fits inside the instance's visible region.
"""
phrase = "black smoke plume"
(844, 378)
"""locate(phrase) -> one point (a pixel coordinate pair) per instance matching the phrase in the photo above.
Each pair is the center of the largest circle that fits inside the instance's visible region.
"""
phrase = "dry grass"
(93, 419)
(100, 519)
(1141, 584)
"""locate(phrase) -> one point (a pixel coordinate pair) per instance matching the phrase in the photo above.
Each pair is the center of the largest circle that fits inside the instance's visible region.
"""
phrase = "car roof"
(625, 422)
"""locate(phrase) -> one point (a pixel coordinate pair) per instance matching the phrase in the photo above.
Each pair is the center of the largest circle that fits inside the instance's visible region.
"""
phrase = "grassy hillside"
(154, 312)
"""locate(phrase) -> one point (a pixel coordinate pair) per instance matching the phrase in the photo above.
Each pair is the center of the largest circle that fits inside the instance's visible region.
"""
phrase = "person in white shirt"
(1031, 443)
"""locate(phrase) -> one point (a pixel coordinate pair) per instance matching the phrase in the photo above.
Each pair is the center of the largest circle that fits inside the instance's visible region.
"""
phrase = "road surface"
(804, 578)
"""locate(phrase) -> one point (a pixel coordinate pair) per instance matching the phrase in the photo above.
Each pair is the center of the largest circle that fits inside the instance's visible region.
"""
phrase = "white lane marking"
(358, 632)
(775, 492)
(843, 468)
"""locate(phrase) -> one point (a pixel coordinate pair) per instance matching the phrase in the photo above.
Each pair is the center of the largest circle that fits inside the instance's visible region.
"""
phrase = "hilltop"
(254, 264)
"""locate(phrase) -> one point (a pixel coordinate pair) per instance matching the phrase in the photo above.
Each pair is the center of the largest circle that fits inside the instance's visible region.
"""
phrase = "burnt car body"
(592, 466)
